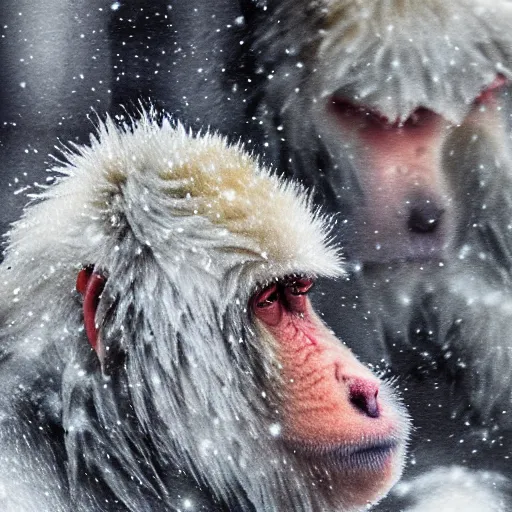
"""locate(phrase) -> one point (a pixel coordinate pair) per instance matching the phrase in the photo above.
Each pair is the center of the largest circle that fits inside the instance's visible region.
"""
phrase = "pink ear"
(90, 284)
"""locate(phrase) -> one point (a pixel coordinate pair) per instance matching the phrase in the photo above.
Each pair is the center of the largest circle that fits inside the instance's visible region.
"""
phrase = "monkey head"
(378, 106)
(190, 349)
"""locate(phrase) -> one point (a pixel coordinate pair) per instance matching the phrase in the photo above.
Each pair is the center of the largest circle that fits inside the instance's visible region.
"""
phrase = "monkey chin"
(353, 476)
(375, 470)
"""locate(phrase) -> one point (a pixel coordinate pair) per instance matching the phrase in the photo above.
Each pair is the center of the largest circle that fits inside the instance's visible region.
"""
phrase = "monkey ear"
(90, 284)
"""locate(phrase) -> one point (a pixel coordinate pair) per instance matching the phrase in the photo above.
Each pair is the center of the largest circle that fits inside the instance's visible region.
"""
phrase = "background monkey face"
(369, 107)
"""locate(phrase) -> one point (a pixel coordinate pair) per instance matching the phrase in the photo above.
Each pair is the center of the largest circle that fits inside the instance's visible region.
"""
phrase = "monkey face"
(407, 208)
(336, 416)
(367, 104)
(168, 369)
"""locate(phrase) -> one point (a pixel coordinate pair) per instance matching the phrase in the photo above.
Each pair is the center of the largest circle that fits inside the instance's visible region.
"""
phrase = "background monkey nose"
(424, 218)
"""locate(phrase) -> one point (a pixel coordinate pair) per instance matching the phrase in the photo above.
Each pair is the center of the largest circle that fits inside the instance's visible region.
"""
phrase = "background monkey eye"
(489, 93)
(367, 115)
(419, 118)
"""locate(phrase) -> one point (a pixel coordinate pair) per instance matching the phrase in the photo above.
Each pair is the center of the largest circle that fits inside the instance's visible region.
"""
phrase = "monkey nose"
(363, 396)
(424, 218)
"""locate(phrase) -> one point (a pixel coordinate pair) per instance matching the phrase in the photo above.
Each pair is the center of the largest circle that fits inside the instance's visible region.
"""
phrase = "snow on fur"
(137, 176)
(395, 54)
(185, 228)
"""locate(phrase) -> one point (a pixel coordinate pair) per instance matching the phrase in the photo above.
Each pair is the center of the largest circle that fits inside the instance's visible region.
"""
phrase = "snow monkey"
(397, 113)
(159, 350)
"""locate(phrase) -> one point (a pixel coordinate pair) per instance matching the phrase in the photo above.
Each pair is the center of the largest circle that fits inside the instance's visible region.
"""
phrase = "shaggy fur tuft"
(394, 54)
(178, 221)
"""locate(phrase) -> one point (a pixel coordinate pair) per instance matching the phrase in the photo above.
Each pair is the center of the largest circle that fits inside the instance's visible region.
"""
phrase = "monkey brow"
(285, 280)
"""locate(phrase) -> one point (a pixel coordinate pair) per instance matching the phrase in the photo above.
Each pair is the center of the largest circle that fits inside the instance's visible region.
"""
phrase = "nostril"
(424, 218)
(363, 395)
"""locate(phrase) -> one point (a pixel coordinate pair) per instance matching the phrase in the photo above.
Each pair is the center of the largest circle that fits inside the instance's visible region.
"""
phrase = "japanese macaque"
(397, 114)
(159, 349)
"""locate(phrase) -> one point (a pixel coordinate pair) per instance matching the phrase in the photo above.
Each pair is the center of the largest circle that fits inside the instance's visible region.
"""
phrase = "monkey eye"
(489, 92)
(420, 117)
(377, 118)
(368, 115)
(267, 297)
(267, 306)
(288, 294)
(295, 291)
(300, 286)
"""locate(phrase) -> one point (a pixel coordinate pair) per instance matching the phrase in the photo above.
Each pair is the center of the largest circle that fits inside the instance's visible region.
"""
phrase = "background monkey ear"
(90, 284)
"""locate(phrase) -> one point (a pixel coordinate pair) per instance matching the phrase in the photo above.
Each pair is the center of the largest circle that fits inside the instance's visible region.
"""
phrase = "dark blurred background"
(64, 64)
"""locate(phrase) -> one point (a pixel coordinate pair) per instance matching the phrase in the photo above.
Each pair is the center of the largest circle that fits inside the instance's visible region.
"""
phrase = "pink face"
(408, 209)
(334, 415)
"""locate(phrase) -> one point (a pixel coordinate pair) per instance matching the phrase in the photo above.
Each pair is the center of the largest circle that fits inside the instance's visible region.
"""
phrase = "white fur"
(455, 489)
(185, 228)
(396, 55)
(276, 223)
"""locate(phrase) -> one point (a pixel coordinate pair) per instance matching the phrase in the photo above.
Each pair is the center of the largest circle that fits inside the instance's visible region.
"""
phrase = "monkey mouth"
(371, 457)
(365, 457)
